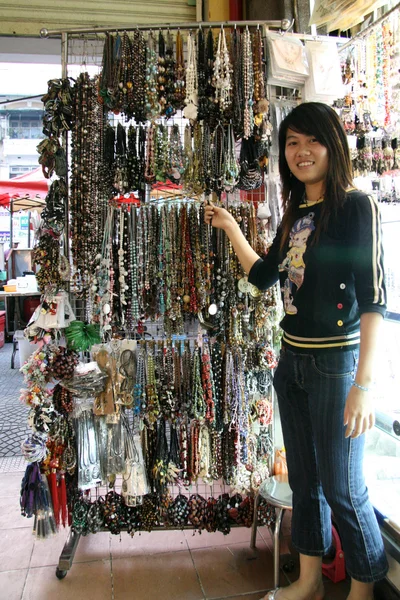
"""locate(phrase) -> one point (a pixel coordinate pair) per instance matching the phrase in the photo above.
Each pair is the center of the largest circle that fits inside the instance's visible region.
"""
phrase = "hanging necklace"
(217, 158)
(191, 100)
(179, 74)
(152, 106)
(247, 85)
(161, 74)
(169, 77)
(231, 166)
(223, 74)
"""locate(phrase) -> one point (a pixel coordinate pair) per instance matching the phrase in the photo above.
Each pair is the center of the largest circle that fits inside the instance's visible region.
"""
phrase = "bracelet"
(360, 387)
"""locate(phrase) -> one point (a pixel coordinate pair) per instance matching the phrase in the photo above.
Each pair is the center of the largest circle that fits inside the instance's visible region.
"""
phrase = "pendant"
(254, 291)
(213, 309)
(244, 285)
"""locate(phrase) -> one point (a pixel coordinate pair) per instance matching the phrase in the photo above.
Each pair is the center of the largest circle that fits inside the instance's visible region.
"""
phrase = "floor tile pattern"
(13, 414)
(161, 565)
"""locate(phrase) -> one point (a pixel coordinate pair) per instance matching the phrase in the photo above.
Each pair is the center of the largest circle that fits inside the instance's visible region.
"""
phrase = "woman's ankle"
(361, 591)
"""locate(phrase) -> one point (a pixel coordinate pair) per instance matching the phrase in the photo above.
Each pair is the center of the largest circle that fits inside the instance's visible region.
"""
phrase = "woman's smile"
(307, 159)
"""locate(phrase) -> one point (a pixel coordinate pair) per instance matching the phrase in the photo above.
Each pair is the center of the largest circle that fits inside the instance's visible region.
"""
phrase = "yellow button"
(340, 323)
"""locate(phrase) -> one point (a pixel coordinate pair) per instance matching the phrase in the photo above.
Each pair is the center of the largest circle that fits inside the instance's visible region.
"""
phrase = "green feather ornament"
(82, 336)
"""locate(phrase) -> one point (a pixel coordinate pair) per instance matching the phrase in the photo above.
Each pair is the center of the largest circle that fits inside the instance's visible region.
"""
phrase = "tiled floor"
(13, 414)
(168, 565)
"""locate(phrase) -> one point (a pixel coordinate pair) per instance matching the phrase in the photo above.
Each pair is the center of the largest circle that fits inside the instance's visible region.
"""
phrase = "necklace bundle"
(190, 110)
(248, 83)
(223, 74)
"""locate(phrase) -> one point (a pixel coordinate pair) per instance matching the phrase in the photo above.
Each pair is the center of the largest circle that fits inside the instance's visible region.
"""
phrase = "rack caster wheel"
(288, 566)
(60, 574)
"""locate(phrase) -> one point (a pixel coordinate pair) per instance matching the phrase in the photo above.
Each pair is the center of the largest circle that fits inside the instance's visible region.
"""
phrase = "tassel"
(62, 491)
(52, 479)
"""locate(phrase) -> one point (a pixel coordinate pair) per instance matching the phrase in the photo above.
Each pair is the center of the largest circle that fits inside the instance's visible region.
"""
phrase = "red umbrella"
(27, 191)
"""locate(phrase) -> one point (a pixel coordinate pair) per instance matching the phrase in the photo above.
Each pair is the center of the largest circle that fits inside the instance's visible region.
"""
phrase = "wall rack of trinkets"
(202, 402)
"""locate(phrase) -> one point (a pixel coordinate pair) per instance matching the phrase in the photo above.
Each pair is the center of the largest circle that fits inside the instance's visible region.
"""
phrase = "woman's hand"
(218, 217)
(359, 413)
(221, 218)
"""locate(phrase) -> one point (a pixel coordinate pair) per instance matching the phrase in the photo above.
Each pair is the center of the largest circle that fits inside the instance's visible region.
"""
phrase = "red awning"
(30, 186)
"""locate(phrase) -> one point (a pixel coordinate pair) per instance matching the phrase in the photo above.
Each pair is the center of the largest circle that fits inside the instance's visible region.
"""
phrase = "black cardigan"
(326, 286)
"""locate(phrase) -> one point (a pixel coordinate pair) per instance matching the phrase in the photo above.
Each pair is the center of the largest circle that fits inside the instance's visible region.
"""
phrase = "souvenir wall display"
(181, 348)
(370, 107)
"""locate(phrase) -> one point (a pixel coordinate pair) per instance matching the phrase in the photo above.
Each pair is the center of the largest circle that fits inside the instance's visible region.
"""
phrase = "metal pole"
(64, 75)
(11, 223)
(283, 24)
(29, 228)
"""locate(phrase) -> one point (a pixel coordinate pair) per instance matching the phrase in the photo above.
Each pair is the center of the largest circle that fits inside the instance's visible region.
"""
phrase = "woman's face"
(306, 157)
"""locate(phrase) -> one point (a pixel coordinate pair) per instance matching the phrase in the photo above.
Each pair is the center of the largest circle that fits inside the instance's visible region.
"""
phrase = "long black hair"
(322, 122)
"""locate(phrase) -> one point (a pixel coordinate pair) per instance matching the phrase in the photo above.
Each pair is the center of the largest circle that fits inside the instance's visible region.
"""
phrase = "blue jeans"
(325, 468)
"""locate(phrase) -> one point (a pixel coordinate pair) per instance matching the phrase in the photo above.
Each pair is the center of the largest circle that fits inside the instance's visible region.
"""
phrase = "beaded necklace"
(125, 94)
(205, 453)
(201, 77)
(223, 74)
(161, 77)
(212, 107)
(149, 173)
(190, 110)
(176, 154)
(134, 265)
(139, 389)
(206, 377)
(231, 166)
(179, 74)
(139, 76)
(248, 84)
(184, 451)
(152, 402)
(198, 408)
(152, 106)
(217, 158)
(169, 77)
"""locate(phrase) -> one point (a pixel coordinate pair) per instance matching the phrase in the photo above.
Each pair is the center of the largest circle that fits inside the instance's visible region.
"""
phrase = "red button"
(340, 306)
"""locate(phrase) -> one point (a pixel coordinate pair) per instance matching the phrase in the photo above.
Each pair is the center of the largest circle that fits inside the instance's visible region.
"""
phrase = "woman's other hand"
(359, 413)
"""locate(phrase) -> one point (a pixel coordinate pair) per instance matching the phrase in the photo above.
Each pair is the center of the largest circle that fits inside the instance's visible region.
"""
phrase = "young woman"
(328, 257)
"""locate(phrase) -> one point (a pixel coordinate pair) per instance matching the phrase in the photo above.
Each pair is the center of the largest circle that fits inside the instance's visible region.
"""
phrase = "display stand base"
(68, 552)
(67, 555)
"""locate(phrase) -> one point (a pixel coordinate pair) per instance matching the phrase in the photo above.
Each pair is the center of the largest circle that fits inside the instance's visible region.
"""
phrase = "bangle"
(360, 387)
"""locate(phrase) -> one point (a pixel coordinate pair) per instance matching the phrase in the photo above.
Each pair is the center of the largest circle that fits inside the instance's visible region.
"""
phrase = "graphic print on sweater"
(293, 263)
